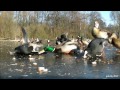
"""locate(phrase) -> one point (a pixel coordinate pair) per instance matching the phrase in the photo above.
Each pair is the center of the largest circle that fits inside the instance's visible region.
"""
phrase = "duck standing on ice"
(95, 48)
(67, 47)
(98, 33)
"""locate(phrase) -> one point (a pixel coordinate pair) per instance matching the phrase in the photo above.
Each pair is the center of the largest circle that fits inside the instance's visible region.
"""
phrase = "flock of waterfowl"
(65, 45)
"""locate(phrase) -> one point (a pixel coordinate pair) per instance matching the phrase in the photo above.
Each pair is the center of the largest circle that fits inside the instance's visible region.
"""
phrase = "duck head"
(96, 24)
(58, 41)
(61, 39)
(96, 27)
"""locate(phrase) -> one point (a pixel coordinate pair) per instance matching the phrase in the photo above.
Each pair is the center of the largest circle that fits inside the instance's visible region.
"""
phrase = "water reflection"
(56, 66)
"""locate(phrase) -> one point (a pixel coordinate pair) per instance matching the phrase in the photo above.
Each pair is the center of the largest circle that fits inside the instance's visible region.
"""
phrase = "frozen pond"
(57, 66)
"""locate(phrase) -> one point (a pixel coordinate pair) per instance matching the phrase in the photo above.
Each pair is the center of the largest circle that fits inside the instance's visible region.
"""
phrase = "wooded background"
(49, 24)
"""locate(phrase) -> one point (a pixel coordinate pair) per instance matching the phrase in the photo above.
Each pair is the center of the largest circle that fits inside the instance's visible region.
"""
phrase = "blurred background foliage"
(50, 24)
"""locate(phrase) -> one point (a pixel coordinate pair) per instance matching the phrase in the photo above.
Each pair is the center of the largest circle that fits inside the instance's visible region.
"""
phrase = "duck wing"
(25, 37)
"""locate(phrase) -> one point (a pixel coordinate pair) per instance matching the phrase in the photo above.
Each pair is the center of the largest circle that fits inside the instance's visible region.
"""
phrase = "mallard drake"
(66, 48)
(97, 33)
(95, 48)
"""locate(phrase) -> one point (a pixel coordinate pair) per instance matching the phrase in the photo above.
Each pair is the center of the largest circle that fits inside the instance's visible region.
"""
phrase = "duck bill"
(41, 52)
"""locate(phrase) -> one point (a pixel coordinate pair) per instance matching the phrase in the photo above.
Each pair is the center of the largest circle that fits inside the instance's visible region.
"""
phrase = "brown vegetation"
(49, 24)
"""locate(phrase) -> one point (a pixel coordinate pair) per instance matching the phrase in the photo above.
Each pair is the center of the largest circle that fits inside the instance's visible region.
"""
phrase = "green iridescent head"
(49, 48)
